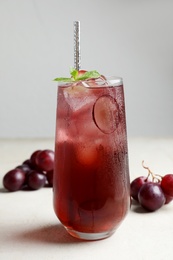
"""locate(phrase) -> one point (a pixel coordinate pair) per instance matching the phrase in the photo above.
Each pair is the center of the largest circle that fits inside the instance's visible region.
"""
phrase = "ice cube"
(87, 154)
(78, 96)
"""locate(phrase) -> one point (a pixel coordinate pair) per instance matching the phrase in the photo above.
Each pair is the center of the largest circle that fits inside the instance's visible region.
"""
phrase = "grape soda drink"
(91, 175)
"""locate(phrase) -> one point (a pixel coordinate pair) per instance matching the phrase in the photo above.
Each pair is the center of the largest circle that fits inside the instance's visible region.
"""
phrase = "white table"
(29, 228)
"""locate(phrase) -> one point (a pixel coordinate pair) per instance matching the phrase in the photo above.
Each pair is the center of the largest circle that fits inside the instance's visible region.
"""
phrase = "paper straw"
(77, 57)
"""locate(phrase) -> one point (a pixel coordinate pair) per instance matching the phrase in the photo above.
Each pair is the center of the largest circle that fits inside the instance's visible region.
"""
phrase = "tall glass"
(91, 175)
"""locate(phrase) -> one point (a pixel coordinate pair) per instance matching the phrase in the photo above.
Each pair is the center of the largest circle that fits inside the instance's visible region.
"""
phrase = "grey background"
(128, 38)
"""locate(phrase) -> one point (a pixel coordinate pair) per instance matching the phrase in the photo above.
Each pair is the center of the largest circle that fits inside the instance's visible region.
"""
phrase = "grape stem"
(155, 177)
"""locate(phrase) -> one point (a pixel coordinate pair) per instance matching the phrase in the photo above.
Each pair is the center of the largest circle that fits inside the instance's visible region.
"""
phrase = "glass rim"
(114, 81)
(110, 81)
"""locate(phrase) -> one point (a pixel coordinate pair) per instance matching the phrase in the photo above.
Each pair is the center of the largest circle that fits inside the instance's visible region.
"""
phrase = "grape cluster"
(33, 174)
(153, 191)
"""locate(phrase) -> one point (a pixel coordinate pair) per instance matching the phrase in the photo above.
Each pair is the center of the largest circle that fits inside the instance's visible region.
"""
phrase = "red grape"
(151, 196)
(14, 179)
(36, 180)
(34, 173)
(24, 167)
(81, 72)
(45, 160)
(168, 198)
(49, 176)
(33, 158)
(167, 184)
(28, 162)
(135, 186)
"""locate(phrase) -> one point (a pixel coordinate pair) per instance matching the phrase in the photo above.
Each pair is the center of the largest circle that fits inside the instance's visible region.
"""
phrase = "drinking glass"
(91, 175)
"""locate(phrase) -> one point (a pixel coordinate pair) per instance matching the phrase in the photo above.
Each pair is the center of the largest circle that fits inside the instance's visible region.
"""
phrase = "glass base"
(90, 236)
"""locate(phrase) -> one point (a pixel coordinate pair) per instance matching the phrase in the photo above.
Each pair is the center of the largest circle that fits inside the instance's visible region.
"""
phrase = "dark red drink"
(91, 178)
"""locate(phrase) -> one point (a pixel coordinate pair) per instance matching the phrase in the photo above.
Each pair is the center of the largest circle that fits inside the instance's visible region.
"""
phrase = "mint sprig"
(76, 76)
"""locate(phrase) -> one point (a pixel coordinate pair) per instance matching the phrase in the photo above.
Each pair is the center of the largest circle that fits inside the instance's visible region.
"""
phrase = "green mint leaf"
(74, 73)
(64, 79)
(74, 76)
(89, 75)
